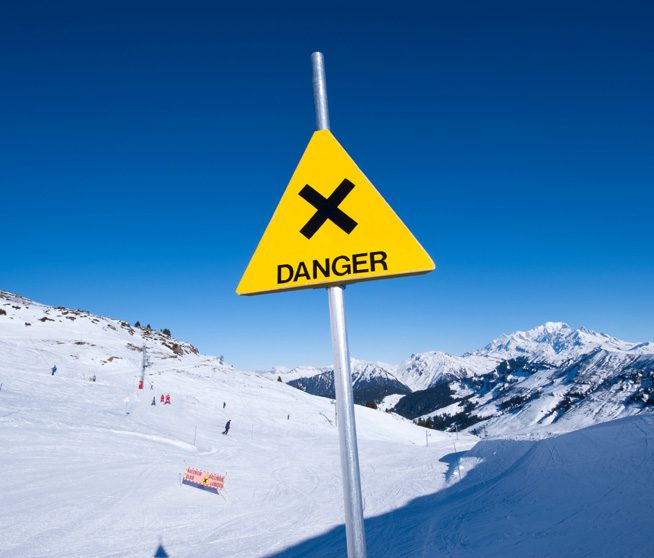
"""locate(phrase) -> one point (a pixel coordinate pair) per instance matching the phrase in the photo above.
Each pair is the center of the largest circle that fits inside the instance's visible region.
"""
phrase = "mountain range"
(551, 378)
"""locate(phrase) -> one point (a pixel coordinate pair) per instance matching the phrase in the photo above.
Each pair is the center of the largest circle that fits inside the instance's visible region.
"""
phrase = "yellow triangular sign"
(331, 227)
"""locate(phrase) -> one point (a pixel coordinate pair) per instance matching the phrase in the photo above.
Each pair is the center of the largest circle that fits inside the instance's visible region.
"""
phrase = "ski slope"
(92, 469)
(588, 493)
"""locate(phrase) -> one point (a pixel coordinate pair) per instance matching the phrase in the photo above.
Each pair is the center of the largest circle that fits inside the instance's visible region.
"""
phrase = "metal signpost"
(347, 434)
(332, 227)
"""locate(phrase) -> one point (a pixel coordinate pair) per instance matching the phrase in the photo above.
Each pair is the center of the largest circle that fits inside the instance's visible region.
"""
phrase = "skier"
(53, 369)
(227, 425)
(168, 399)
(162, 398)
(224, 404)
(154, 402)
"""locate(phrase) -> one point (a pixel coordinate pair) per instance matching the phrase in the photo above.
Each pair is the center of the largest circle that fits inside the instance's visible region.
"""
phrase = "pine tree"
(166, 332)
(137, 324)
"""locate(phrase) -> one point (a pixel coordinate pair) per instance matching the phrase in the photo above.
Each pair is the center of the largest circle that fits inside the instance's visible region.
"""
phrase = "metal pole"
(143, 367)
(354, 526)
(320, 91)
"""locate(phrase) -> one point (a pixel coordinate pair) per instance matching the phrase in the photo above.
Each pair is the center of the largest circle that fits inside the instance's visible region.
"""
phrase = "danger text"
(340, 266)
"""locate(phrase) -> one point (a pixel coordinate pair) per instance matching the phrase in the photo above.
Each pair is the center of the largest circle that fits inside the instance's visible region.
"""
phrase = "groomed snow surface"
(92, 469)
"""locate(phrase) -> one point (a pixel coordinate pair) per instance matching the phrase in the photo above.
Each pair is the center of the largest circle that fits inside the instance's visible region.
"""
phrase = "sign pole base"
(354, 525)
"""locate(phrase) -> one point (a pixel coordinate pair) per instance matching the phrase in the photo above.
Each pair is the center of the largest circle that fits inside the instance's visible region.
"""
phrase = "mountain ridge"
(549, 378)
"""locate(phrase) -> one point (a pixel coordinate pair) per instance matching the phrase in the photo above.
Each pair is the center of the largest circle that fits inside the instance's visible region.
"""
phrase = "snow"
(452, 409)
(554, 342)
(289, 374)
(389, 401)
(547, 380)
(593, 374)
(92, 469)
(423, 370)
(587, 493)
(363, 370)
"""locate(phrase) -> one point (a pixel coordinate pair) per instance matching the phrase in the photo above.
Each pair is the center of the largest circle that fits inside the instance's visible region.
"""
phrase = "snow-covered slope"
(43, 331)
(548, 379)
(92, 469)
(584, 494)
(371, 382)
(599, 386)
(424, 370)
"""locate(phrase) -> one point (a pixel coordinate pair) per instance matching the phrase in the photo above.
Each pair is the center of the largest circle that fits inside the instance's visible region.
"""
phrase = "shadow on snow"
(586, 493)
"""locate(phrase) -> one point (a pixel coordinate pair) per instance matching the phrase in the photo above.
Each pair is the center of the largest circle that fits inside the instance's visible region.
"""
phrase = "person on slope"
(163, 399)
(53, 369)
(227, 425)
(168, 399)
(154, 401)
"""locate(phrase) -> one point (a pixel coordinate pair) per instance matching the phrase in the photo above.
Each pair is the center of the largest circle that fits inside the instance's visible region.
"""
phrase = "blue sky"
(144, 147)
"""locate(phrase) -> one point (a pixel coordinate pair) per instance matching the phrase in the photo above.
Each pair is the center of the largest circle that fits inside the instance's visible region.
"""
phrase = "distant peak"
(555, 326)
(551, 340)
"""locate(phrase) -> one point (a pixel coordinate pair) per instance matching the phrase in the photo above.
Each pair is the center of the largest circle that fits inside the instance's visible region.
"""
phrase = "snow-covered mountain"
(286, 374)
(371, 382)
(424, 370)
(555, 342)
(37, 327)
(92, 468)
(549, 378)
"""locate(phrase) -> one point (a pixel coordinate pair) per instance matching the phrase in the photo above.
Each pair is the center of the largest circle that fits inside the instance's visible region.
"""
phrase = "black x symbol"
(327, 209)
